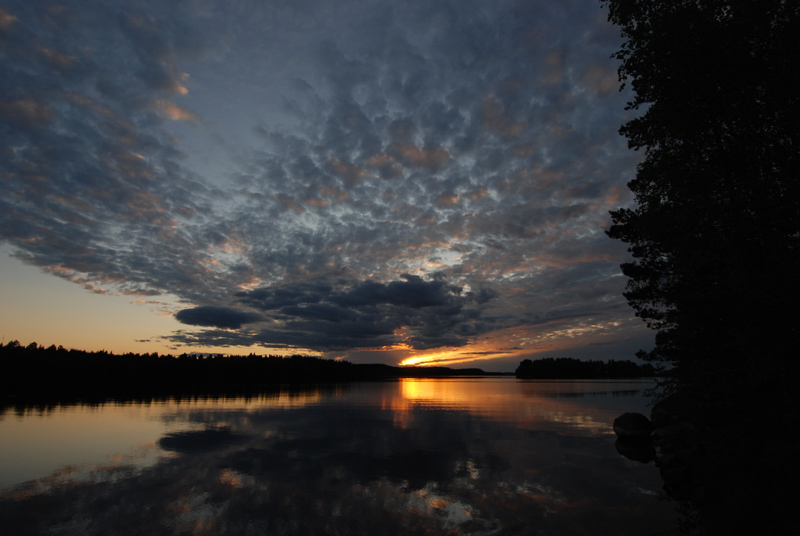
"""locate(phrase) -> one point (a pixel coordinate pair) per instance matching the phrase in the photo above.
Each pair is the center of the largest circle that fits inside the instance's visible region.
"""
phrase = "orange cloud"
(56, 58)
(317, 202)
(380, 160)
(352, 174)
(432, 159)
(447, 200)
(478, 193)
(494, 118)
(173, 111)
(25, 112)
(600, 79)
(6, 19)
(555, 68)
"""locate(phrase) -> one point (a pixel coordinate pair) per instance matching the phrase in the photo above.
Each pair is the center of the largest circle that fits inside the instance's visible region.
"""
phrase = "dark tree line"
(715, 236)
(34, 370)
(715, 233)
(565, 368)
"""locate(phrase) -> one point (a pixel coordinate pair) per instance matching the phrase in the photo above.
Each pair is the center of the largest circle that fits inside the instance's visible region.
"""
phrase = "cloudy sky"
(379, 181)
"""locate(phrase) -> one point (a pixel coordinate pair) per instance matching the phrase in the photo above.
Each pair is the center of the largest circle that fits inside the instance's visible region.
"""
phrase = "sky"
(421, 182)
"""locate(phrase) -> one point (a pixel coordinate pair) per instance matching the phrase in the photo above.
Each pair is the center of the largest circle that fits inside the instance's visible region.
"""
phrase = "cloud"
(173, 111)
(359, 176)
(26, 113)
(153, 43)
(200, 441)
(345, 314)
(428, 158)
(219, 317)
(93, 182)
(432, 461)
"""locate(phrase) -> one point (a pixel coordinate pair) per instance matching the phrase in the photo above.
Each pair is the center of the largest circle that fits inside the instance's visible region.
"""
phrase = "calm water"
(472, 456)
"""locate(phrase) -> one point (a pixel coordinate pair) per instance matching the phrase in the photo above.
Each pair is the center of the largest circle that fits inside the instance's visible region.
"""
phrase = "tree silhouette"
(715, 234)
(569, 368)
(34, 371)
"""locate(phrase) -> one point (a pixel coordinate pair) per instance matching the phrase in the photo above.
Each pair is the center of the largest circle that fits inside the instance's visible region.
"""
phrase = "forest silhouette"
(566, 368)
(35, 371)
(715, 241)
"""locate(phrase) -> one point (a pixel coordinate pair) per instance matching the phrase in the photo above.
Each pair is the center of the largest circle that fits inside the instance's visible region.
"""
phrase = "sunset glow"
(379, 185)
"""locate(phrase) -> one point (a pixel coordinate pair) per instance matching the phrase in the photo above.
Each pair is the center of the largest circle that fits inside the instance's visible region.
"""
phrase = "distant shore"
(31, 373)
(567, 368)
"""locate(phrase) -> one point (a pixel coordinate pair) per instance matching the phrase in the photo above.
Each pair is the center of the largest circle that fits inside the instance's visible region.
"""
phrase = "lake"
(478, 456)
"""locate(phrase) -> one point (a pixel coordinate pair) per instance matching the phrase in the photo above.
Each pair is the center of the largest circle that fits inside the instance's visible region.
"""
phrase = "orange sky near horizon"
(426, 186)
(49, 310)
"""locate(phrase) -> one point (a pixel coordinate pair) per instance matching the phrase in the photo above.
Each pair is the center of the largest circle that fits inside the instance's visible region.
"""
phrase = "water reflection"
(493, 456)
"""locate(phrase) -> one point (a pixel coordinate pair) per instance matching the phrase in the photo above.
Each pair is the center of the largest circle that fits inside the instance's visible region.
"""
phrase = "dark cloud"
(93, 184)
(197, 149)
(347, 314)
(218, 317)
(199, 441)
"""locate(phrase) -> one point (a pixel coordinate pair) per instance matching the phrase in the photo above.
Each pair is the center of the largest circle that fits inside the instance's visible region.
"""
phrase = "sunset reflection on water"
(526, 403)
(457, 456)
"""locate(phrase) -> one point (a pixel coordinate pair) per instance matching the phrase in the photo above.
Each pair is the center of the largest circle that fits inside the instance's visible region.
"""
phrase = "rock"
(673, 436)
(632, 427)
(638, 451)
(679, 470)
(670, 410)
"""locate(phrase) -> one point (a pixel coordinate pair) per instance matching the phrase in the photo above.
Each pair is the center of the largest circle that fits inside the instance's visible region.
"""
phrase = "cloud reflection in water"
(368, 459)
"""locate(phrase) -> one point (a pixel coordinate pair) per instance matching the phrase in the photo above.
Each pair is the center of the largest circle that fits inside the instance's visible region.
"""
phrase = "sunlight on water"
(471, 456)
(36, 442)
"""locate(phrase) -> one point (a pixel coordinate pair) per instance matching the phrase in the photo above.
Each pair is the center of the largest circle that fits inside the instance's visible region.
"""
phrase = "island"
(567, 368)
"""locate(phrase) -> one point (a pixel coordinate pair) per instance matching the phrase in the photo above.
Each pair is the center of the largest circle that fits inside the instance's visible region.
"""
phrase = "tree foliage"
(715, 233)
(564, 368)
(34, 371)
